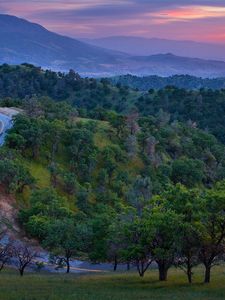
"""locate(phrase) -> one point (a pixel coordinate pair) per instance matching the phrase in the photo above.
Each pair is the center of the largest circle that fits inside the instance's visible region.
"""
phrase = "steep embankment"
(8, 214)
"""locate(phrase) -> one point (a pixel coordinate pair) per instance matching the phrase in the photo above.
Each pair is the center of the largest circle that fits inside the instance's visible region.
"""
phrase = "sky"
(199, 20)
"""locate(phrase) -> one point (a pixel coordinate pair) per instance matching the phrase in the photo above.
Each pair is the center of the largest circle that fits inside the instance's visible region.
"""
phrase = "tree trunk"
(21, 188)
(53, 153)
(207, 273)
(189, 271)
(21, 272)
(1, 267)
(142, 272)
(115, 264)
(140, 267)
(128, 266)
(163, 271)
(35, 151)
(67, 265)
(54, 180)
(189, 274)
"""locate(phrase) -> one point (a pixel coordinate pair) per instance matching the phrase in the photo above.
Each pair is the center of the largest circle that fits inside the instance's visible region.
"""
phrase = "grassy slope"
(110, 287)
(41, 173)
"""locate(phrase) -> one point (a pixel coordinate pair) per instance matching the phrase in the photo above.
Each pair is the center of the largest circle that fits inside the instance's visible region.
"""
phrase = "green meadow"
(117, 286)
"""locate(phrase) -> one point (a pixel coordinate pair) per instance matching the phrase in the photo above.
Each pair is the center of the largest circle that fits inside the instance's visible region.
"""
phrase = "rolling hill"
(150, 46)
(170, 64)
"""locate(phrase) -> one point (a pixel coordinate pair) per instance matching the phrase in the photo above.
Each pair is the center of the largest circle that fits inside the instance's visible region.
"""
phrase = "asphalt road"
(7, 124)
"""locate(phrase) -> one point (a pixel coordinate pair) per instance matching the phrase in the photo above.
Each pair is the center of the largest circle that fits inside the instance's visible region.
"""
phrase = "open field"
(110, 287)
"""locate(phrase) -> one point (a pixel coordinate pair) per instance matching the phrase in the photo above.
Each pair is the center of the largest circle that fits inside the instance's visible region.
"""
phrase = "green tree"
(162, 227)
(66, 239)
(45, 207)
(14, 176)
(186, 203)
(212, 228)
(187, 171)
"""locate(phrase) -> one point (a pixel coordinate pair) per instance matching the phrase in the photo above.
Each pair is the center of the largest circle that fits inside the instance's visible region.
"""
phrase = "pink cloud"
(86, 18)
(188, 13)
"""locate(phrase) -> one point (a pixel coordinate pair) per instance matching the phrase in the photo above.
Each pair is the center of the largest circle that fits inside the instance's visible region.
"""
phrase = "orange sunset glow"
(190, 13)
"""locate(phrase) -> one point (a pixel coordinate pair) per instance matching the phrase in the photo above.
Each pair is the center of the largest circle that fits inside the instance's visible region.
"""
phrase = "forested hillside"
(18, 82)
(108, 173)
(205, 108)
(180, 81)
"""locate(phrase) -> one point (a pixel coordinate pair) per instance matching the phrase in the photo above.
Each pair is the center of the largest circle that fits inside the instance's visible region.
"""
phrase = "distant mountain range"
(22, 41)
(144, 47)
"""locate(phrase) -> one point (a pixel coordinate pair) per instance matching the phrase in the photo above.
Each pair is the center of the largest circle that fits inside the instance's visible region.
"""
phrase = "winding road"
(5, 124)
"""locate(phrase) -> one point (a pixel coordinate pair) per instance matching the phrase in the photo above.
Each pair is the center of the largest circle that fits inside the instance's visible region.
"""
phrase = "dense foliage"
(116, 187)
(19, 82)
(204, 108)
(180, 81)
